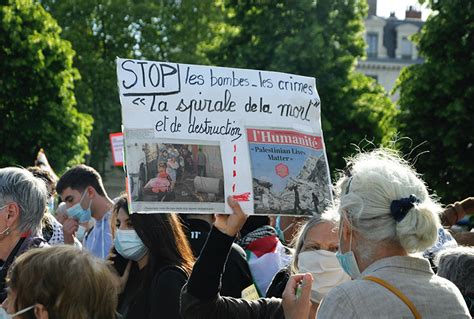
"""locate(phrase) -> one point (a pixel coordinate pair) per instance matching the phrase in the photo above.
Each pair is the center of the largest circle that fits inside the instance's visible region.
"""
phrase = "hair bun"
(399, 208)
(418, 230)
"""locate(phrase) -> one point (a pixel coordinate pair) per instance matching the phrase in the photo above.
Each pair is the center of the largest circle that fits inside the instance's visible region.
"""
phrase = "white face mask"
(5, 315)
(326, 270)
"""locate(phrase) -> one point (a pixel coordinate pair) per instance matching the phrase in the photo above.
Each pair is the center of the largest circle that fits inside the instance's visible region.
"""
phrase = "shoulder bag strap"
(397, 292)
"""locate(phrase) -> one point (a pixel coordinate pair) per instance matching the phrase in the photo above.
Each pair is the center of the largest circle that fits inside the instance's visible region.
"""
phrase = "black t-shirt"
(236, 276)
(157, 299)
(144, 298)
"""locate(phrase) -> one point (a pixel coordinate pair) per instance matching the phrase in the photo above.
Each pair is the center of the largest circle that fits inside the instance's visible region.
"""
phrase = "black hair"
(163, 235)
(79, 178)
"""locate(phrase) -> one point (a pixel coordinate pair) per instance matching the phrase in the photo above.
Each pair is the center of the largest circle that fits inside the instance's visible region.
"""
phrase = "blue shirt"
(99, 240)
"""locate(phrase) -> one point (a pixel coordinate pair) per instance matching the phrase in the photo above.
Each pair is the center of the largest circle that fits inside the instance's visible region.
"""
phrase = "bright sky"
(384, 7)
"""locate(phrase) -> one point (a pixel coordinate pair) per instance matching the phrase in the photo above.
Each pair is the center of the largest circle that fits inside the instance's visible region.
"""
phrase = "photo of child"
(162, 182)
(176, 172)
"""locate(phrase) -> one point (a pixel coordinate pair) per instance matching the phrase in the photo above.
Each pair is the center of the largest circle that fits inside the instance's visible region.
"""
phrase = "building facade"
(389, 48)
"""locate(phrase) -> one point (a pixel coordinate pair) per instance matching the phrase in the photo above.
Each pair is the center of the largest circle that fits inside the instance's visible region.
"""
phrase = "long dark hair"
(164, 237)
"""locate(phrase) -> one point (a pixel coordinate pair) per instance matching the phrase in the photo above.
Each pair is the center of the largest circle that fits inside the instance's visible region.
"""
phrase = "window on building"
(372, 44)
(406, 49)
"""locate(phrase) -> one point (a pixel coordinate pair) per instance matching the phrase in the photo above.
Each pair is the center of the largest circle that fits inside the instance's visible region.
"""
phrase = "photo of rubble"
(289, 179)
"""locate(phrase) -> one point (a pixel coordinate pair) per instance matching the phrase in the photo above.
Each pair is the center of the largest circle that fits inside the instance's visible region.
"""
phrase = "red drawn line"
(235, 173)
(235, 148)
(245, 197)
(233, 187)
(235, 159)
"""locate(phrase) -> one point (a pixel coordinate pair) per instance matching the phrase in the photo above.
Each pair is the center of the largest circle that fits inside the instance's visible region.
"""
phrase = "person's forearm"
(464, 238)
(455, 212)
(204, 282)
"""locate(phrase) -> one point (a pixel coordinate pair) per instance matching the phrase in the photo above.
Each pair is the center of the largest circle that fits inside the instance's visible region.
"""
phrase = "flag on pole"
(43, 163)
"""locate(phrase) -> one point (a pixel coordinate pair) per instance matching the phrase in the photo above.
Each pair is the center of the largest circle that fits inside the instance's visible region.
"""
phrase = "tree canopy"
(436, 99)
(37, 104)
(100, 31)
(321, 39)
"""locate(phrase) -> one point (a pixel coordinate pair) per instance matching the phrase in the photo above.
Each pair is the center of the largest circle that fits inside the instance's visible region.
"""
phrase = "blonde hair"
(68, 282)
(372, 182)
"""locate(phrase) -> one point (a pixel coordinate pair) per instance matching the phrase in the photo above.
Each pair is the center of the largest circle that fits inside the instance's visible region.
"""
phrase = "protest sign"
(196, 134)
(116, 143)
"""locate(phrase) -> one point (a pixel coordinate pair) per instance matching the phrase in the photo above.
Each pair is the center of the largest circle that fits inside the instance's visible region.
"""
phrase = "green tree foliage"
(100, 31)
(321, 39)
(176, 30)
(436, 99)
(37, 104)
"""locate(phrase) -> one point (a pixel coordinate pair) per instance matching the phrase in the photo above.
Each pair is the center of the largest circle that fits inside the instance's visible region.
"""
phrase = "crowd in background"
(383, 249)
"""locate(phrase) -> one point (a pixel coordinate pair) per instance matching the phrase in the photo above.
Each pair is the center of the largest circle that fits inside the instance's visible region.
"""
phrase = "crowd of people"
(383, 249)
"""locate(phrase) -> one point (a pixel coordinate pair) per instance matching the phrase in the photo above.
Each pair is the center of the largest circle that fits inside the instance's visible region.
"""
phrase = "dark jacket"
(26, 242)
(278, 283)
(200, 298)
(154, 300)
(236, 276)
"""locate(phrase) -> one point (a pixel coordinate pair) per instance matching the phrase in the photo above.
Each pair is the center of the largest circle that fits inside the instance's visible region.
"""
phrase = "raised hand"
(296, 299)
(231, 224)
(70, 227)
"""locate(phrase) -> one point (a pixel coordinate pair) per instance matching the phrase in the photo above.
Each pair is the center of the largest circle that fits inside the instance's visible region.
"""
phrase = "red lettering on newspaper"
(284, 137)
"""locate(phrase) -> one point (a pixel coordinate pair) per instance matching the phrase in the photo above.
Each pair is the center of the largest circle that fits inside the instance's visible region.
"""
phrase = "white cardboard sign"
(196, 134)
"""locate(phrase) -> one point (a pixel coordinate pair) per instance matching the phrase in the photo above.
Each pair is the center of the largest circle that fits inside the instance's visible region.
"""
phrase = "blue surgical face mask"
(129, 245)
(281, 232)
(5, 315)
(77, 212)
(347, 260)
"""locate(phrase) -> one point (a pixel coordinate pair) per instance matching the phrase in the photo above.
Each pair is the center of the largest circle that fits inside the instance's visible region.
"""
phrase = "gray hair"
(329, 216)
(30, 193)
(373, 181)
(457, 265)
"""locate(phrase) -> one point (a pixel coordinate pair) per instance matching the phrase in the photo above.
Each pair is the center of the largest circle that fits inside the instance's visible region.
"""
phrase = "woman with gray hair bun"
(457, 265)
(386, 214)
